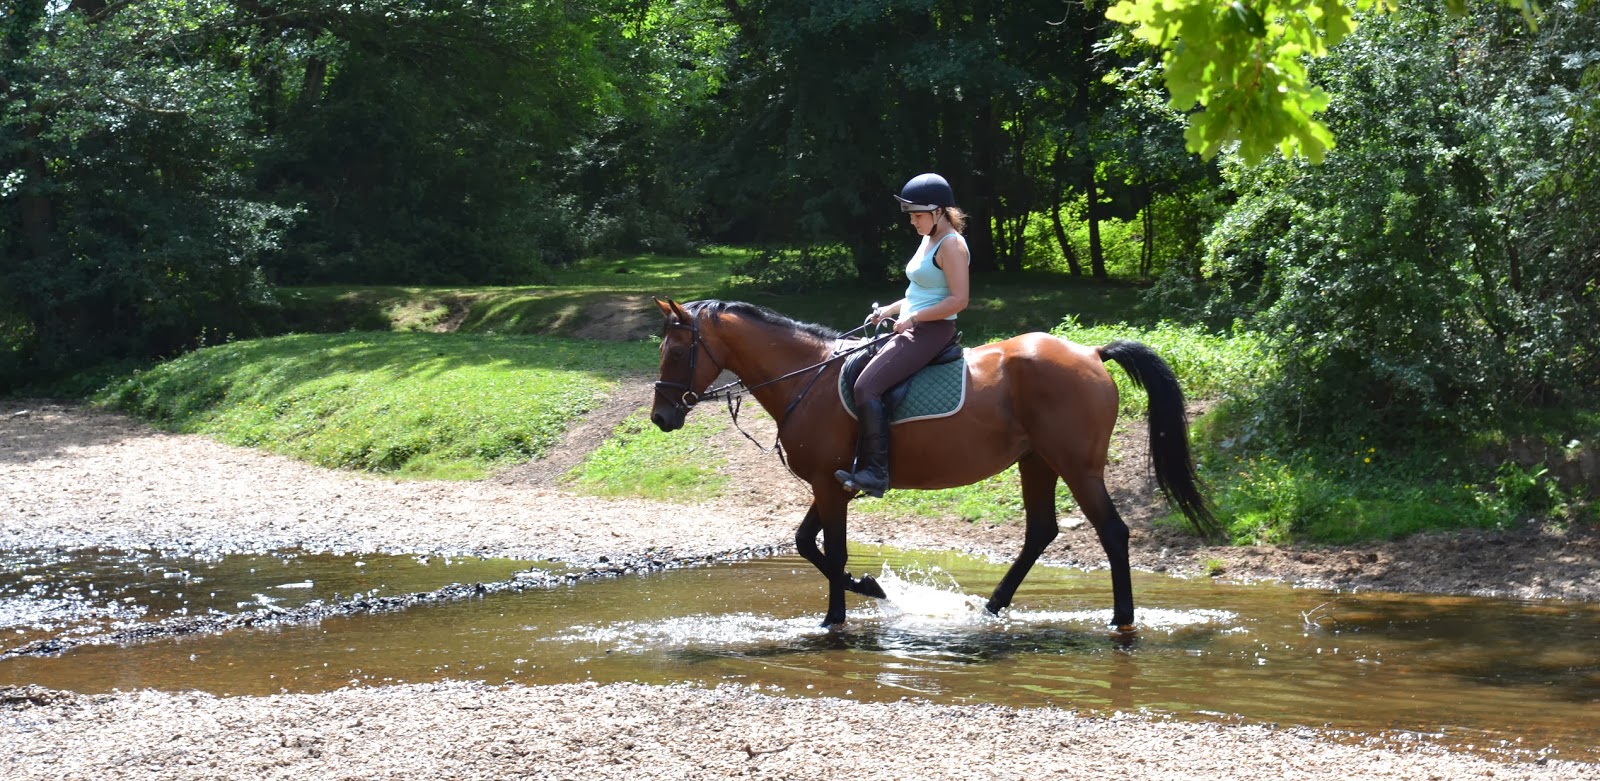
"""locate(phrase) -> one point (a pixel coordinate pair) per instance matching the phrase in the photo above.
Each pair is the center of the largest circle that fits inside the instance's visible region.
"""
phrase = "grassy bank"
(408, 404)
(507, 381)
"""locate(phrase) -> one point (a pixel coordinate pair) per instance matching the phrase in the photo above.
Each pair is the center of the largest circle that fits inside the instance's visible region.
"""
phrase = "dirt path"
(76, 477)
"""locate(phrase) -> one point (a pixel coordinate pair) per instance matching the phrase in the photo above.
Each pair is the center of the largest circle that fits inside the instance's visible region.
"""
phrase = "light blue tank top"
(928, 284)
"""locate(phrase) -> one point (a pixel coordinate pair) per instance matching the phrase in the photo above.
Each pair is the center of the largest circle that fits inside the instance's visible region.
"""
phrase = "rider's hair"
(957, 218)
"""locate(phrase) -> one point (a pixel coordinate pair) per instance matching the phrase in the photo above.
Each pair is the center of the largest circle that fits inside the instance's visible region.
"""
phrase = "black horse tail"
(1169, 432)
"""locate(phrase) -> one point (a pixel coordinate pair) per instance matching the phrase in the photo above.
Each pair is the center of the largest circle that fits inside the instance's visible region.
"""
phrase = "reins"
(733, 392)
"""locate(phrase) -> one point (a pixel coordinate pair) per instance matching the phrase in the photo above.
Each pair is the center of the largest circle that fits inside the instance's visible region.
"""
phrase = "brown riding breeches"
(902, 356)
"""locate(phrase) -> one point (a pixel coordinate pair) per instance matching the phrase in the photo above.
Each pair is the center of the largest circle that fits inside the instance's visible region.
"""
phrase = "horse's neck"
(765, 353)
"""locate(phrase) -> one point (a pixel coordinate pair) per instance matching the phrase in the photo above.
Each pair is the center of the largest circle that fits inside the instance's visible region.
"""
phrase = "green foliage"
(127, 222)
(641, 460)
(1397, 283)
(1244, 64)
(794, 271)
(426, 141)
(1524, 491)
(414, 405)
(1328, 493)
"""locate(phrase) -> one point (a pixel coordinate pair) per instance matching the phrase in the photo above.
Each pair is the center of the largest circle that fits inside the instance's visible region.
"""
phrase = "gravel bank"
(75, 477)
(462, 731)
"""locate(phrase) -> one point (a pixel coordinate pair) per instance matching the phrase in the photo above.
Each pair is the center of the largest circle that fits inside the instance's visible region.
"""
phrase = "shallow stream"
(1520, 677)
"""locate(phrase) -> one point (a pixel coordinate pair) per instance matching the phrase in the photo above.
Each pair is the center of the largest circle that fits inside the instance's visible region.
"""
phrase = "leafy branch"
(1243, 64)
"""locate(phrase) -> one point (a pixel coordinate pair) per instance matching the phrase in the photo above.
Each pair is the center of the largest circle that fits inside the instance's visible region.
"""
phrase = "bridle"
(687, 398)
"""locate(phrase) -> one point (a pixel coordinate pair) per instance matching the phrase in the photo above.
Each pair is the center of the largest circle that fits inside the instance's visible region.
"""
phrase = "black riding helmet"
(926, 193)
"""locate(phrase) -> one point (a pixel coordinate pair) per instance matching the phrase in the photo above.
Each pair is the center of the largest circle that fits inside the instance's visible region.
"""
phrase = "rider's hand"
(904, 324)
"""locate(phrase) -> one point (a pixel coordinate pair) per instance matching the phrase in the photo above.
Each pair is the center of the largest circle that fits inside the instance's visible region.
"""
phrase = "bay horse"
(1040, 402)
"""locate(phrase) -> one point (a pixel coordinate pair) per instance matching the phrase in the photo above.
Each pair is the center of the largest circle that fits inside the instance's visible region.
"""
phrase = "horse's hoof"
(866, 586)
(1125, 629)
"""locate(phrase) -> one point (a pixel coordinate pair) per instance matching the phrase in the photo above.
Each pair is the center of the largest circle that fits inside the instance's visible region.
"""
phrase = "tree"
(428, 143)
(1419, 276)
(127, 226)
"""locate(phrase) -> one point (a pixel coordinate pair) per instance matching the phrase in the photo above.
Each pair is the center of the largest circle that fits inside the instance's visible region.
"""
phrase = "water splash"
(927, 595)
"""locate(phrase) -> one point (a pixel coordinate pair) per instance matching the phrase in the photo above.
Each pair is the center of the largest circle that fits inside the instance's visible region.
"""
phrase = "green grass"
(641, 460)
(413, 405)
(1341, 493)
(547, 309)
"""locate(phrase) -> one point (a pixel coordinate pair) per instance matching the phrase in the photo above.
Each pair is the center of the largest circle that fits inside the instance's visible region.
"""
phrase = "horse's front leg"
(828, 519)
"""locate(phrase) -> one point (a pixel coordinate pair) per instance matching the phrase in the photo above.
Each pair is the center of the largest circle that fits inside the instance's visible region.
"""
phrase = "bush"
(1415, 280)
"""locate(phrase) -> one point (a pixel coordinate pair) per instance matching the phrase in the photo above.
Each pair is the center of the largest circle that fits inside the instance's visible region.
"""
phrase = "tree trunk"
(1058, 186)
(1097, 256)
(1016, 243)
(1147, 249)
(872, 268)
(980, 226)
(1067, 251)
(315, 79)
(38, 213)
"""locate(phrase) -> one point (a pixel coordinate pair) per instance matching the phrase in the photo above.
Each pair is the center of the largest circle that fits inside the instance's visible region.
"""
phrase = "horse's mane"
(716, 308)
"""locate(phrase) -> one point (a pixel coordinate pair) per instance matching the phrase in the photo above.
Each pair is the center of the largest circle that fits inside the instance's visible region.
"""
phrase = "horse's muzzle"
(668, 418)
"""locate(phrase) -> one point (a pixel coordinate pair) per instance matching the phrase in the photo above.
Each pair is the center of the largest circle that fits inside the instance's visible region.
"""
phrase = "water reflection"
(49, 593)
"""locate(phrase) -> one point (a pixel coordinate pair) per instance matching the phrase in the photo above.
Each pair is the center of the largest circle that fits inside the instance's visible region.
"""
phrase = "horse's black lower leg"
(1102, 514)
(1039, 504)
(805, 540)
(1114, 538)
(830, 560)
(835, 555)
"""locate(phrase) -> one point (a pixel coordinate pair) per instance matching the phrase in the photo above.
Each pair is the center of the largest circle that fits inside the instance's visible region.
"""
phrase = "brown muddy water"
(1499, 676)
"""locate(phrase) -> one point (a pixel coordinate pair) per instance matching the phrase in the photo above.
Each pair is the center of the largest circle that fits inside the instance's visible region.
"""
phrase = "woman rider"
(924, 321)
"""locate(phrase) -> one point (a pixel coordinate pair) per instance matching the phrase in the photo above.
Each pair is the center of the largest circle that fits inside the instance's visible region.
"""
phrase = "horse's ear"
(676, 309)
(668, 308)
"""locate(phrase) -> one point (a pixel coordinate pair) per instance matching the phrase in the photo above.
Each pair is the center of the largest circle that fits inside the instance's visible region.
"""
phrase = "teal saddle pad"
(934, 392)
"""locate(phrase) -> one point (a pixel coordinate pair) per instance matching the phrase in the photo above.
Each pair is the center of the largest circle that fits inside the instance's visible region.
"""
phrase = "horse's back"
(1050, 365)
(1058, 389)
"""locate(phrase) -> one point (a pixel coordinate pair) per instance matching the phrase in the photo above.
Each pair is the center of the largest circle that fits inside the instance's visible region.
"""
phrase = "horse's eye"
(675, 353)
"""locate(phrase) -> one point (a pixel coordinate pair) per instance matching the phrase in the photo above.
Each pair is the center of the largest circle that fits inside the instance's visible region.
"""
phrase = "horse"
(1036, 400)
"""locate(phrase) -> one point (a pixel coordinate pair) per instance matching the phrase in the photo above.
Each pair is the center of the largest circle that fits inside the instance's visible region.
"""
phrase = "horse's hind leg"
(1039, 505)
(1090, 491)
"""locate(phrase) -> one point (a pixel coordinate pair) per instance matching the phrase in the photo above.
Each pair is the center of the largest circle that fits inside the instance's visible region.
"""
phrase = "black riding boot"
(872, 452)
